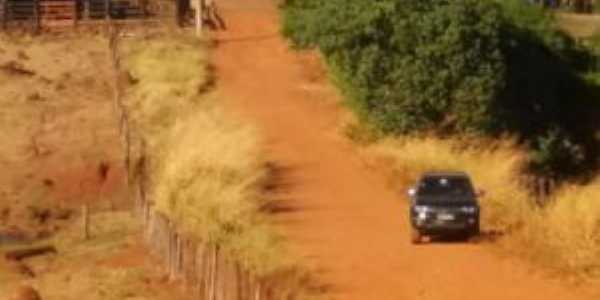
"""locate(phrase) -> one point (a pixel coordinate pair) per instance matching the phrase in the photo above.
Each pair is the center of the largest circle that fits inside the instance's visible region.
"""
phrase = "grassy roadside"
(110, 265)
(562, 236)
(206, 168)
(495, 167)
(579, 25)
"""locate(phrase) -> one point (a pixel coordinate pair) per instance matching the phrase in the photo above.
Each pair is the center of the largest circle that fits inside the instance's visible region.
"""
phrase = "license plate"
(445, 217)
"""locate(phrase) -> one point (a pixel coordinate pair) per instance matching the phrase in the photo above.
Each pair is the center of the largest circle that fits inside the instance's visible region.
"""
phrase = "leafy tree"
(485, 67)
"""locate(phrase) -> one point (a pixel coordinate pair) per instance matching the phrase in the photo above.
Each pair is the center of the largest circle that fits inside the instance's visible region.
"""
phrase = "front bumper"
(431, 224)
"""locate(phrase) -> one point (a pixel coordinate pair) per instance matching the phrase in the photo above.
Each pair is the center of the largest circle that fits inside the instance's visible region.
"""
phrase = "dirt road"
(340, 216)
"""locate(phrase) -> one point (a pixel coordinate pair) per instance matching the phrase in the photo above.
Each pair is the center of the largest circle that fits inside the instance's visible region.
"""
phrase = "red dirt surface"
(134, 256)
(340, 216)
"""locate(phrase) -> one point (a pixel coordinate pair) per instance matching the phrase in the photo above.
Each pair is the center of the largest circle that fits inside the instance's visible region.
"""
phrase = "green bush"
(484, 67)
(407, 68)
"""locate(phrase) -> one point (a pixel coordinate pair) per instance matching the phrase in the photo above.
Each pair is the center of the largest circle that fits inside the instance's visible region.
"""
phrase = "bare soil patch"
(58, 128)
(111, 265)
(61, 149)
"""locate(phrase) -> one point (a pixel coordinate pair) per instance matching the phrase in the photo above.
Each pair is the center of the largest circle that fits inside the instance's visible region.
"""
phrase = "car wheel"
(476, 229)
(473, 234)
(415, 236)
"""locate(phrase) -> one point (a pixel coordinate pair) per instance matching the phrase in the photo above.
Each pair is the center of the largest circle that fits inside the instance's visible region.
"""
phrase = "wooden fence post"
(172, 250)
(212, 264)
(86, 9)
(199, 19)
(36, 15)
(75, 13)
(4, 8)
(207, 274)
(257, 293)
(180, 253)
(179, 12)
(107, 16)
(85, 214)
(239, 281)
(199, 271)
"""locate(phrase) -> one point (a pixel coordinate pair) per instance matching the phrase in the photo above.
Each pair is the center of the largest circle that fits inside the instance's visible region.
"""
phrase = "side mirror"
(480, 193)
(412, 192)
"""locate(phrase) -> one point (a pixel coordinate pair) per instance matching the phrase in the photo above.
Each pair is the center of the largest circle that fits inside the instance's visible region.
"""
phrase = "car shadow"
(488, 236)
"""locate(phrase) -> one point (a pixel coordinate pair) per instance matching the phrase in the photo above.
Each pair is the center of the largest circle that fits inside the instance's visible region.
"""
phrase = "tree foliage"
(464, 66)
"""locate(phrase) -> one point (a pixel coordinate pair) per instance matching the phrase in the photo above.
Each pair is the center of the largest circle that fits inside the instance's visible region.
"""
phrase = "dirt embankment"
(343, 218)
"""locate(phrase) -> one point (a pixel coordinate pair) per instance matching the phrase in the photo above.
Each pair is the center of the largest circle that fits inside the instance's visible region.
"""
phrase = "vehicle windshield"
(445, 186)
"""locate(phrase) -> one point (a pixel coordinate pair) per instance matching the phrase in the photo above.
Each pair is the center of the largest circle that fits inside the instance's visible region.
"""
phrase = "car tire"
(474, 233)
(476, 229)
(415, 236)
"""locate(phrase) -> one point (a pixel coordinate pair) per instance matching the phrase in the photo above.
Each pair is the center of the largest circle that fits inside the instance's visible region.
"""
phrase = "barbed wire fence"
(207, 272)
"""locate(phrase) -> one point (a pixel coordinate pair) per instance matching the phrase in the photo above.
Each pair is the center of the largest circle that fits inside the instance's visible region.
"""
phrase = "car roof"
(444, 174)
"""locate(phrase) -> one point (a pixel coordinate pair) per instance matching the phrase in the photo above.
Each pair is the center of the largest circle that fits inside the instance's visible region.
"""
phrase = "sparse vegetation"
(207, 169)
(561, 235)
(57, 126)
(109, 266)
(564, 235)
(579, 25)
(506, 204)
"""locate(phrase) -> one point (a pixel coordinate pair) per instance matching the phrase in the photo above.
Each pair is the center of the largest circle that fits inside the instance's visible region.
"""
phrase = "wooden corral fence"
(207, 273)
(19, 12)
(38, 14)
(57, 13)
(578, 6)
(60, 13)
(3, 13)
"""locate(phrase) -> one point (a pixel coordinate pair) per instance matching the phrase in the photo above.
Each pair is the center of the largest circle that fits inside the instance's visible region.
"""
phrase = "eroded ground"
(57, 128)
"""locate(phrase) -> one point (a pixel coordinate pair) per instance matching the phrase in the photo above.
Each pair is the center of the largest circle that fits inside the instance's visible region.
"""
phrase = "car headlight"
(469, 209)
(422, 209)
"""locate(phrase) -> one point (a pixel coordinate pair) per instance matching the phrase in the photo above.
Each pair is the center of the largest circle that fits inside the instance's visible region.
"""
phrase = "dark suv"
(443, 203)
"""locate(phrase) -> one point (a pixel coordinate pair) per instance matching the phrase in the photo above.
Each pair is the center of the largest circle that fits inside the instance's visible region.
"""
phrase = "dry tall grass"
(579, 25)
(564, 235)
(167, 74)
(207, 169)
(107, 267)
(494, 167)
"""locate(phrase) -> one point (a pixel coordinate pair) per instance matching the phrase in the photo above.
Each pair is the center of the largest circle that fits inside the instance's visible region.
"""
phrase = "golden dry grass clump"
(168, 74)
(494, 167)
(564, 235)
(207, 169)
(579, 25)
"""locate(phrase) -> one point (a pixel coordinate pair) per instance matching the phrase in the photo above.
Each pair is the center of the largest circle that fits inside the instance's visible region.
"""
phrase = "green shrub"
(465, 66)
(411, 63)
